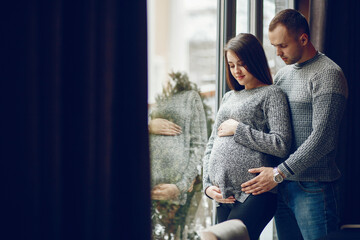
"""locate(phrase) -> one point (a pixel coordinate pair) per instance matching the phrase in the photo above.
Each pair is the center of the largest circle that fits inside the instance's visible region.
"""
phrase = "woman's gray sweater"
(264, 129)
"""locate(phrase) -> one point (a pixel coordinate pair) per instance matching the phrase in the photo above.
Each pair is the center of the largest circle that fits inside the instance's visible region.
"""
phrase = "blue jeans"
(306, 210)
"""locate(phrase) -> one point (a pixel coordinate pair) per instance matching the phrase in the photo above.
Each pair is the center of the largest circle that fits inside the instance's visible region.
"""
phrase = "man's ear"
(304, 39)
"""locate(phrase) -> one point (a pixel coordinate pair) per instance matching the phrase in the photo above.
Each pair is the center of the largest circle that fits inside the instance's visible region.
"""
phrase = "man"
(317, 92)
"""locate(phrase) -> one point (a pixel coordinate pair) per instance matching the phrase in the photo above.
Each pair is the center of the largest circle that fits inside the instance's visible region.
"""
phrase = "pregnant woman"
(252, 129)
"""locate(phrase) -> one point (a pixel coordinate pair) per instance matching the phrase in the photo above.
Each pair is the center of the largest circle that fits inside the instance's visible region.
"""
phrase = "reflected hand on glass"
(162, 126)
(165, 191)
(227, 128)
(215, 193)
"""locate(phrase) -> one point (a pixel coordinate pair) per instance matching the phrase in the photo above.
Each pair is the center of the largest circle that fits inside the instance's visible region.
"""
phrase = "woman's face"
(239, 72)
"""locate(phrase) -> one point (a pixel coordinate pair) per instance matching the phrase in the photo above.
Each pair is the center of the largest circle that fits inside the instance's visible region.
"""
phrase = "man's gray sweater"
(317, 93)
(264, 129)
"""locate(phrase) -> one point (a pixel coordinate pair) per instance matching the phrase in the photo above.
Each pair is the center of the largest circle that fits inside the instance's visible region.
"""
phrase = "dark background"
(342, 44)
(74, 150)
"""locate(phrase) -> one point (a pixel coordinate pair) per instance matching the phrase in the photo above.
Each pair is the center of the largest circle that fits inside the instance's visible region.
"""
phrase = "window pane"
(271, 7)
(242, 16)
(182, 41)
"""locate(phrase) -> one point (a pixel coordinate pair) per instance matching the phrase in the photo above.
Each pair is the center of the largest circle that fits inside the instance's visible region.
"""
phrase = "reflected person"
(251, 126)
(178, 136)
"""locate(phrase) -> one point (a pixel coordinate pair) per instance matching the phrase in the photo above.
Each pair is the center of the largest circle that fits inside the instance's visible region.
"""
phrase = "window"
(182, 46)
(242, 16)
(185, 44)
(271, 7)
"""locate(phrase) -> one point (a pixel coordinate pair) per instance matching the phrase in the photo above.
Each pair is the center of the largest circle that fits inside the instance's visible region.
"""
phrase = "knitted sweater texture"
(317, 92)
(177, 159)
(264, 129)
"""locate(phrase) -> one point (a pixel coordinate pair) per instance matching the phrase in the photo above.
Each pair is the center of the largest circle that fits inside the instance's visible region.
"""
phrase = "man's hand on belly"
(261, 183)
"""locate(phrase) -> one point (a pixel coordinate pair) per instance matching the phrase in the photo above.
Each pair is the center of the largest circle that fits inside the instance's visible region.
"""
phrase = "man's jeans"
(306, 210)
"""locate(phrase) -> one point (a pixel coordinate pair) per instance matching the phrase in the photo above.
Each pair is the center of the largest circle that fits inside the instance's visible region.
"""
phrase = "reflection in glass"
(177, 143)
(181, 37)
(177, 139)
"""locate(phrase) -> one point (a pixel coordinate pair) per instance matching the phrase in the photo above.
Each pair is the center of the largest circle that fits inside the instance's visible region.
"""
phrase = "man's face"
(287, 47)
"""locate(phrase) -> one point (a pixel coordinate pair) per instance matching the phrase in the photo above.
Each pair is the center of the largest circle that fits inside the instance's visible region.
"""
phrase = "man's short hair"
(294, 21)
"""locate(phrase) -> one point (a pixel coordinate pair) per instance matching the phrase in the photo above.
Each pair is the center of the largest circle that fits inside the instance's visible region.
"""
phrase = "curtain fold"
(318, 23)
(75, 145)
(335, 31)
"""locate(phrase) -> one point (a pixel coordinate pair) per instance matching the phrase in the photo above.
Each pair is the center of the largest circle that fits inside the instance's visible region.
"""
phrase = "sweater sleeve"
(277, 141)
(198, 138)
(329, 94)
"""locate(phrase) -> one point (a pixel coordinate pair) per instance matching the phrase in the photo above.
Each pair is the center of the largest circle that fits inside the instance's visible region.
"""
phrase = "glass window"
(181, 94)
(270, 8)
(242, 16)
(182, 101)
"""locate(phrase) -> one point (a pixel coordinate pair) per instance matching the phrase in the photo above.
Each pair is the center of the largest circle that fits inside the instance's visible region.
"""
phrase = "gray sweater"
(264, 129)
(317, 92)
(177, 159)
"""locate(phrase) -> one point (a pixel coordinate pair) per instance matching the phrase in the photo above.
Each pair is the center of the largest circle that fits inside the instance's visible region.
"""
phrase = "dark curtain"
(318, 23)
(74, 145)
(335, 30)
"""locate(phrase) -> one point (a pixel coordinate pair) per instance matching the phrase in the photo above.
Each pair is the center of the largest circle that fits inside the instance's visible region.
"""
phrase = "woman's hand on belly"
(215, 193)
(227, 128)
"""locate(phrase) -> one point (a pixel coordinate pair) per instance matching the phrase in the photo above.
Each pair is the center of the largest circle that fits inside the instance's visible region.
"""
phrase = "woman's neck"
(255, 85)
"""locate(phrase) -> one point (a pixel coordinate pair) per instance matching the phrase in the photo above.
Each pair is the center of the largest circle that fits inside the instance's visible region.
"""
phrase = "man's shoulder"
(327, 68)
(325, 63)
(326, 77)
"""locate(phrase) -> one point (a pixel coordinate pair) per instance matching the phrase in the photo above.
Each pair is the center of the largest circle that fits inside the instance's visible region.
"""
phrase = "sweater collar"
(301, 65)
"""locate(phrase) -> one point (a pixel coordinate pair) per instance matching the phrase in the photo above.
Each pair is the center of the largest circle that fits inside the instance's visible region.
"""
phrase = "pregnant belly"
(230, 162)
